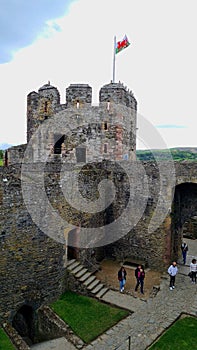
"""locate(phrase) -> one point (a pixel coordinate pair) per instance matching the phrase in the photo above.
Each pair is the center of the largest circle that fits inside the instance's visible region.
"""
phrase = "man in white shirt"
(172, 270)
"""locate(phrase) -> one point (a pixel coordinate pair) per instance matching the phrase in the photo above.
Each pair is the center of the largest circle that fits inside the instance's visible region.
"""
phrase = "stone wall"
(18, 342)
(51, 326)
(31, 263)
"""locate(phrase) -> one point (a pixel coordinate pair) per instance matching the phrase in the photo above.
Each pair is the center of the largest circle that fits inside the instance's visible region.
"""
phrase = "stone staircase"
(88, 279)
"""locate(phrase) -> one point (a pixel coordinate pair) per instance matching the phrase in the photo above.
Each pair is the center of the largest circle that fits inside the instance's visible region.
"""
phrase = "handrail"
(129, 345)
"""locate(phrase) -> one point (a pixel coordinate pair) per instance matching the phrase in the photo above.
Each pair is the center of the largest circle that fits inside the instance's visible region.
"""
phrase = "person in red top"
(140, 275)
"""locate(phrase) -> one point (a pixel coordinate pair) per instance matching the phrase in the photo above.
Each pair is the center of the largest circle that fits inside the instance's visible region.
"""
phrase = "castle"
(95, 143)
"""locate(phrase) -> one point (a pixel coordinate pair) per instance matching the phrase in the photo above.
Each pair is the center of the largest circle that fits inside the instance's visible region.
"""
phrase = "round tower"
(118, 94)
(41, 106)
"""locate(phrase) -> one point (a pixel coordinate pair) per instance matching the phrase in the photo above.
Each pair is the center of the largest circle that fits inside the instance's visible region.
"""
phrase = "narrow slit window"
(46, 106)
(105, 147)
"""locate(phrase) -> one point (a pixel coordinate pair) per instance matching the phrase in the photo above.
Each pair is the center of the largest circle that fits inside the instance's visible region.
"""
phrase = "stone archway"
(23, 322)
(184, 207)
(73, 244)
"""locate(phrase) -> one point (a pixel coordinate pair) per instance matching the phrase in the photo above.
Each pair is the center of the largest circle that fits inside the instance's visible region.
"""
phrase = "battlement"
(79, 95)
(119, 94)
(112, 137)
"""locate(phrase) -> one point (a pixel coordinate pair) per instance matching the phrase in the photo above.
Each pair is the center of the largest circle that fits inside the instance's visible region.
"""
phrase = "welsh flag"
(120, 45)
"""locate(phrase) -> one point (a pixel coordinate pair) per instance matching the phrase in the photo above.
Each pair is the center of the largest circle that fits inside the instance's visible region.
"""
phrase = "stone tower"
(41, 106)
(108, 130)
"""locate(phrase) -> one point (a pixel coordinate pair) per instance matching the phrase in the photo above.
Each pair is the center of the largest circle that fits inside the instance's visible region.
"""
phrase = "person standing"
(136, 272)
(172, 270)
(140, 275)
(193, 270)
(122, 278)
(184, 248)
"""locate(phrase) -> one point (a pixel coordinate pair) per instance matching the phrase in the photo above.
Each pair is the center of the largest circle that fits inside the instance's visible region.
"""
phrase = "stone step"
(85, 277)
(72, 267)
(93, 284)
(81, 273)
(97, 288)
(89, 280)
(70, 262)
(102, 292)
(77, 269)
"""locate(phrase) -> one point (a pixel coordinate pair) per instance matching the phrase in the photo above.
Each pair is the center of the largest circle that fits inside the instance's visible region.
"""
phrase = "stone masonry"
(94, 143)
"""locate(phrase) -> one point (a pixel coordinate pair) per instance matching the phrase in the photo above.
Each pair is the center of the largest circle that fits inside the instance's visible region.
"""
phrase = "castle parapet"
(117, 93)
(79, 95)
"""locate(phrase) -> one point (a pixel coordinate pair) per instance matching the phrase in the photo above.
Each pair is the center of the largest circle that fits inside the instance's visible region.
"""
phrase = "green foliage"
(182, 335)
(5, 343)
(1, 157)
(87, 317)
(176, 154)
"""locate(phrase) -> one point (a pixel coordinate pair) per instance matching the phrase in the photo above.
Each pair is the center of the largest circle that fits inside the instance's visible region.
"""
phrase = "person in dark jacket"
(140, 275)
(122, 278)
(184, 248)
(136, 272)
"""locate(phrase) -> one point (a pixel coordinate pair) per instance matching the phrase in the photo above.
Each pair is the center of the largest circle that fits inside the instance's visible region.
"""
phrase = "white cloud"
(159, 65)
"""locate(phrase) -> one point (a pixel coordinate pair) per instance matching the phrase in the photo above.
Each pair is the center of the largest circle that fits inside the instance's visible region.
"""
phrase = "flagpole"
(114, 59)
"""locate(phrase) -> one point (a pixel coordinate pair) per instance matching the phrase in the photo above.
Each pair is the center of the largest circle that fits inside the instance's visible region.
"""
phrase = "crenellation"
(79, 95)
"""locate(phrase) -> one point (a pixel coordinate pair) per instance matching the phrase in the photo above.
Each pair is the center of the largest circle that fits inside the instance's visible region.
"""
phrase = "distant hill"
(178, 154)
(4, 146)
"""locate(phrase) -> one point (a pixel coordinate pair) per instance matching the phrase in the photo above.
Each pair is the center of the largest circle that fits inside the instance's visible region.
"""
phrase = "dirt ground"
(109, 276)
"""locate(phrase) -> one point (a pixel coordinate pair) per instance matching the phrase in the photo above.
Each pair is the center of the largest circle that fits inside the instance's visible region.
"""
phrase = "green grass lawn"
(1, 162)
(87, 317)
(5, 343)
(182, 335)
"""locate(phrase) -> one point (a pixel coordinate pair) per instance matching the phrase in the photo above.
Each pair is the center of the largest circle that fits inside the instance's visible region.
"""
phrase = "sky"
(67, 42)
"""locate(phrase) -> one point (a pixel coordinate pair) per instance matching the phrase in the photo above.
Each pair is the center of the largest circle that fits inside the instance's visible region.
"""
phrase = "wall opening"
(73, 244)
(184, 207)
(23, 322)
(59, 140)
(6, 158)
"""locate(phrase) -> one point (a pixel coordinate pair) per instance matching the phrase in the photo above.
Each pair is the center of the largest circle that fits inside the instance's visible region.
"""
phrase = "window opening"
(58, 144)
(105, 147)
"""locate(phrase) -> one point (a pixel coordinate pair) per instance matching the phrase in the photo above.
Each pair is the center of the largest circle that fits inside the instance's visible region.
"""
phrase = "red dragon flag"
(120, 45)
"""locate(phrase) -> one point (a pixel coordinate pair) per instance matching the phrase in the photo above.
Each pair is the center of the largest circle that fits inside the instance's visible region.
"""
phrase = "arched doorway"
(73, 244)
(23, 322)
(184, 207)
